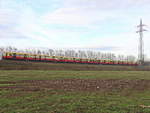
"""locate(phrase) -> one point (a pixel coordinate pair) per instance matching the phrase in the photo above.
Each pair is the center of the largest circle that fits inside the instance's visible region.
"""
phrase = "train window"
(25, 55)
(32, 56)
(61, 58)
(49, 57)
(43, 56)
(84, 60)
(14, 55)
(66, 58)
(20, 55)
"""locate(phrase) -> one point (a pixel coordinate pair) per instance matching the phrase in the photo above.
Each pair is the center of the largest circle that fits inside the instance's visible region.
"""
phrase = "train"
(62, 59)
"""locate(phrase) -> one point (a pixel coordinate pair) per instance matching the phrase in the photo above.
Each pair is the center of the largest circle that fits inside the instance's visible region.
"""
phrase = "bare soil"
(89, 85)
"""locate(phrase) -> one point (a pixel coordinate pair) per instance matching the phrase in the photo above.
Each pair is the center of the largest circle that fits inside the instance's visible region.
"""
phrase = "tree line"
(90, 54)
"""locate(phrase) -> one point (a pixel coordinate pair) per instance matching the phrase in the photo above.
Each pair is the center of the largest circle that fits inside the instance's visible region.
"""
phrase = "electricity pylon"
(141, 43)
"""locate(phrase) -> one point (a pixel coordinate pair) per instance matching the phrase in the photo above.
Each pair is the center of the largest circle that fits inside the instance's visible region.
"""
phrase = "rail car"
(61, 59)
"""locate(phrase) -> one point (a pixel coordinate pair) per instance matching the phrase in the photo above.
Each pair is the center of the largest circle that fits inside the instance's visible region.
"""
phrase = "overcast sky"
(106, 25)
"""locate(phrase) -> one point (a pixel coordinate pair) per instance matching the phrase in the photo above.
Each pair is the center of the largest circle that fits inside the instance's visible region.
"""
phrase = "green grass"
(60, 101)
(48, 75)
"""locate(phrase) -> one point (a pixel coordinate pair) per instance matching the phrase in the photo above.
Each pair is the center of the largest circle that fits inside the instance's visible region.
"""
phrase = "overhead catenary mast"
(141, 43)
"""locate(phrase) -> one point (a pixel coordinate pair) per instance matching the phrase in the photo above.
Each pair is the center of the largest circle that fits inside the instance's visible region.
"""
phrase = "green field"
(36, 91)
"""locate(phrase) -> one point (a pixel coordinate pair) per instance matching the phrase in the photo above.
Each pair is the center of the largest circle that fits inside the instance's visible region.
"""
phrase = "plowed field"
(74, 91)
